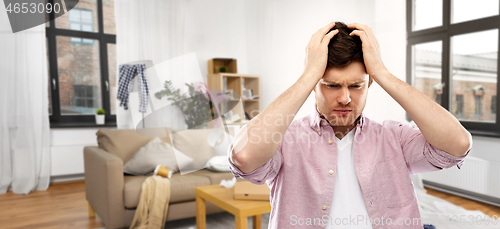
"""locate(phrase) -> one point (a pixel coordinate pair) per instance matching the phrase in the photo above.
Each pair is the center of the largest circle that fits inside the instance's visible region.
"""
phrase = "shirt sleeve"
(421, 156)
(265, 172)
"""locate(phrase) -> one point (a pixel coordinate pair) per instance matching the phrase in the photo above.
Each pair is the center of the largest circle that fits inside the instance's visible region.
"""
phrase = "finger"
(327, 28)
(318, 36)
(364, 28)
(357, 26)
(329, 36)
(360, 34)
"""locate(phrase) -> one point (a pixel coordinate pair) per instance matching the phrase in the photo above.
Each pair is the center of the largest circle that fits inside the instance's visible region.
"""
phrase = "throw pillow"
(218, 164)
(155, 152)
(124, 143)
(195, 151)
(219, 140)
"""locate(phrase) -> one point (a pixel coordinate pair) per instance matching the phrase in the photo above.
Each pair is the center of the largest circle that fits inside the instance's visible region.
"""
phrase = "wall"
(66, 149)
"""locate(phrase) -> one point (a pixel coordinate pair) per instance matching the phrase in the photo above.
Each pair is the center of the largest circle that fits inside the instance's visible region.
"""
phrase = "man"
(335, 167)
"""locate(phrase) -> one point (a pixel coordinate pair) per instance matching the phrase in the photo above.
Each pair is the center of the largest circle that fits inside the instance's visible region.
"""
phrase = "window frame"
(56, 119)
(444, 33)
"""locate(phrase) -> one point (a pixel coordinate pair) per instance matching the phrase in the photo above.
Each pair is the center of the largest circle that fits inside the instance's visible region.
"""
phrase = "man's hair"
(344, 49)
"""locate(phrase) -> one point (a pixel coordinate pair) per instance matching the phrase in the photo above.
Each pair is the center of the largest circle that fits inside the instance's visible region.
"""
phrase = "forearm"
(259, 139)
(440, 127)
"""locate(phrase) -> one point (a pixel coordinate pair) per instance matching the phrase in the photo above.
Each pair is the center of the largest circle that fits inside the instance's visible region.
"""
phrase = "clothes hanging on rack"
(127, 74)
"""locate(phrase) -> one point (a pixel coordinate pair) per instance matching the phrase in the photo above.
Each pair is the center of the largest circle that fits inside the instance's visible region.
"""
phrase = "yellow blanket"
(151, 213)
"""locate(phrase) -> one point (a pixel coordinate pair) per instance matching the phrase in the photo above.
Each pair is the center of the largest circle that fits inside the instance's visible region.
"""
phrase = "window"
(81, 20)
(80, 64)
(84, 96)
(460, 105)
(493, 105)
(427, 14)
(438, 98)
(478, 105)
(452, 57)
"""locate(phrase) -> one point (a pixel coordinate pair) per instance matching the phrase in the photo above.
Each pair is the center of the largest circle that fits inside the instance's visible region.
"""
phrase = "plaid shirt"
(127, 74)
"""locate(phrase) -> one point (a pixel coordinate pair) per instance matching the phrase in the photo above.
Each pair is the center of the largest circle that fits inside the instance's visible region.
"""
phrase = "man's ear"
(371, 81)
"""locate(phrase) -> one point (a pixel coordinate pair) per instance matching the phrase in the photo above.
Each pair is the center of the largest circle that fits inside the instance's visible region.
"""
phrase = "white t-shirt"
(347, 202)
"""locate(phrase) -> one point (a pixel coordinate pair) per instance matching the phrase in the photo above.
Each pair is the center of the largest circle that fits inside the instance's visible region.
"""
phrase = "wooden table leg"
(91, 211)
(200, 213)
(257, 221)
(241, 222)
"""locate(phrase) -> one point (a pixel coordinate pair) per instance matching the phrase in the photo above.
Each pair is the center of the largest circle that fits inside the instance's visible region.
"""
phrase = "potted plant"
(222, 69)
(197, 105)
(99, 117)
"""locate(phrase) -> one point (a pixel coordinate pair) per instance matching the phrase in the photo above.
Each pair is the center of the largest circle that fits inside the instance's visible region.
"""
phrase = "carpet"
(223, 220)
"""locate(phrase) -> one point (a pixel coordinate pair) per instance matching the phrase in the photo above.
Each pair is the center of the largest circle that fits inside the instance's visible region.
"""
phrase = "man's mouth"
(342, 111)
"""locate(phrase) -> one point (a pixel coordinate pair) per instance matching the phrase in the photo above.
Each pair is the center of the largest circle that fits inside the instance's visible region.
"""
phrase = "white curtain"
(24, 117)
(150, 31)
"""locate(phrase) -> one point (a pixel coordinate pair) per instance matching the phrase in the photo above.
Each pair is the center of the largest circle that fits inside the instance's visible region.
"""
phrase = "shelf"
(216, 63)
(236, 82)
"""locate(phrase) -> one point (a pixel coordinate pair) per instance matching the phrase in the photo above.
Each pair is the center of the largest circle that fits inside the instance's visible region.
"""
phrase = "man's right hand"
(317, 51)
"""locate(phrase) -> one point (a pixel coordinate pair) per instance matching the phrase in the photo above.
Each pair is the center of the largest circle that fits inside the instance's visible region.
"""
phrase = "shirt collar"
(315, 120)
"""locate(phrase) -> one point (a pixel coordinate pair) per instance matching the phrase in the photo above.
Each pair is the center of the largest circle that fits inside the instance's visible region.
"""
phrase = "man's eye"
(356, 86)
(331, 86)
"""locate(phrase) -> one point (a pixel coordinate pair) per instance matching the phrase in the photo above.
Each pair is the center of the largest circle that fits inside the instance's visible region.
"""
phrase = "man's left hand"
(371, 51)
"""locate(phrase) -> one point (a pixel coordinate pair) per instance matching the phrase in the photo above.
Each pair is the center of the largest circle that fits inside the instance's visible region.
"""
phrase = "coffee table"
(224, 198)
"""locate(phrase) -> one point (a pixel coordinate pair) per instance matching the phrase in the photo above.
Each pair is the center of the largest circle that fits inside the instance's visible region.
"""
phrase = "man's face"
(342, 89)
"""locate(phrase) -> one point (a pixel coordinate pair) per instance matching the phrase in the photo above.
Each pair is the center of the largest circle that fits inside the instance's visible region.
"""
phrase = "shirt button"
(324, 122)
(324, 207)
(330, 141)
(371, 203)
(330, 172)
(318, 129)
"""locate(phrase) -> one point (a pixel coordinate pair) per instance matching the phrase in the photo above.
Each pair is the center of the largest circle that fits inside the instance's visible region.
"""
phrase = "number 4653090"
(33, 8)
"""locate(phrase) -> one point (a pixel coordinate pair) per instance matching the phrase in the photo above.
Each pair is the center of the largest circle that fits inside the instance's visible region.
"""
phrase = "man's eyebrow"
(355, 82)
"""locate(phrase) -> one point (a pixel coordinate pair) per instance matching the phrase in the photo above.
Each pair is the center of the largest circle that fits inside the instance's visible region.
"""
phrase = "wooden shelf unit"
(236, 82)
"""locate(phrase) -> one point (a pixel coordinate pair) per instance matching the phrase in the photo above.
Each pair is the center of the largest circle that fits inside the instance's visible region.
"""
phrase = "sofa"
(114, 195)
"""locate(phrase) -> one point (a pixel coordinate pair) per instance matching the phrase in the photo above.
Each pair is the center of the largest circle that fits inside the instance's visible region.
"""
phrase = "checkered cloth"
(125, 84)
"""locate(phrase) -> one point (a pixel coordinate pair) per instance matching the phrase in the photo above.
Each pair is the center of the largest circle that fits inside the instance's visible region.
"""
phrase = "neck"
(341, 131)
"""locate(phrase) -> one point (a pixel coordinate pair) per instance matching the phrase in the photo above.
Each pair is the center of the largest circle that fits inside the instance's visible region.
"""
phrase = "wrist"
(380, 75)
(309, 80)
(312, 76)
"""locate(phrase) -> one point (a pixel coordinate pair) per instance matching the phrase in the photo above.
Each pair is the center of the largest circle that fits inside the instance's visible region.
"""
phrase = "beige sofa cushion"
(193, 143)
(124, 143)
(182, 186)
(215, 177)
(156, 152)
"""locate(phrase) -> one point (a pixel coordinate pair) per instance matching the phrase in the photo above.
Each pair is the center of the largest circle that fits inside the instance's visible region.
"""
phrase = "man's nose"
(345, 97)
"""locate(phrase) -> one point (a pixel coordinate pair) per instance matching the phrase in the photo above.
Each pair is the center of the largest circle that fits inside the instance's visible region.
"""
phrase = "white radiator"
(476, 175)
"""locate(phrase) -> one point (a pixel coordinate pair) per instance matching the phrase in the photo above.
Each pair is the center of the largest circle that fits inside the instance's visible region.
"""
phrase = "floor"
(63, 205)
